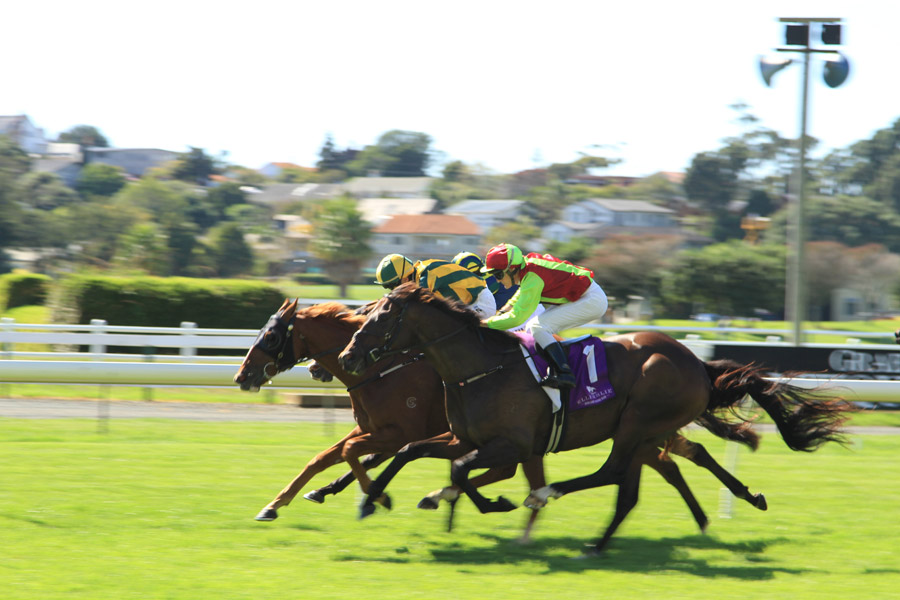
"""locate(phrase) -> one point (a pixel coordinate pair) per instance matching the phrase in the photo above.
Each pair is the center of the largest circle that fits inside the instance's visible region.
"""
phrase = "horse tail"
(806, 418)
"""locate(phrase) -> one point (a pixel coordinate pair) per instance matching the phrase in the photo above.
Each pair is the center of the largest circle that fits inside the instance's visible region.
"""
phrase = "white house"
(24, 133)
(134, 161)
(487, 214)
(378, 210)
(420, 237)
(388, 187)
(597, 218)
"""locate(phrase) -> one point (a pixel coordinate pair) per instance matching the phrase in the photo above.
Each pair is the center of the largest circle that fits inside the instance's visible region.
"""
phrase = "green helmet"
(392, 269)
(469, 261)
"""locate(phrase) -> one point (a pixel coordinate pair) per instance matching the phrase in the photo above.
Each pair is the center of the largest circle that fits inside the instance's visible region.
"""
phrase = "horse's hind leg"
(650, 456)
(698, 455)
(340, 484)
(496, 453)
(319, 463)
(625, 501)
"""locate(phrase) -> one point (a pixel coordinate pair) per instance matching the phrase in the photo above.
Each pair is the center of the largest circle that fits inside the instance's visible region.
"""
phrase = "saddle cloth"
(587, 357)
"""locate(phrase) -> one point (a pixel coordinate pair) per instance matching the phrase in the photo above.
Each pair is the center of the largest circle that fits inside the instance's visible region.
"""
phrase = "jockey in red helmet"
(570, 293)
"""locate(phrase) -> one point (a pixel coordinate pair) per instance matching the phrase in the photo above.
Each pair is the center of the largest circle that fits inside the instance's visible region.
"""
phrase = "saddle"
(587, 357)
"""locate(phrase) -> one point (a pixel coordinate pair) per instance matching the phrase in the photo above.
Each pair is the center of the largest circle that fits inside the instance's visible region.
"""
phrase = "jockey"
(445, 279)
(574, 296)
(502, 290)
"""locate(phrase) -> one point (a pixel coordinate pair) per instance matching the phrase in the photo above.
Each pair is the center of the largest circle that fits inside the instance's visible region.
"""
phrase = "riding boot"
(560, 372)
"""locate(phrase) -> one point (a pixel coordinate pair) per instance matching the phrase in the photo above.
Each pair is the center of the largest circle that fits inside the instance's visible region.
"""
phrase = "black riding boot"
(560, 372)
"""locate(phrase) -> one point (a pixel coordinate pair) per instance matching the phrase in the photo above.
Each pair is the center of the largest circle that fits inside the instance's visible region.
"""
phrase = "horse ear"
(292, 307)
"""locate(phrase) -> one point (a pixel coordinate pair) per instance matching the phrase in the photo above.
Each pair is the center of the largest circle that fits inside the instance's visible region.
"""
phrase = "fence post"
(188, 328)
(100, 326)
(6, 349)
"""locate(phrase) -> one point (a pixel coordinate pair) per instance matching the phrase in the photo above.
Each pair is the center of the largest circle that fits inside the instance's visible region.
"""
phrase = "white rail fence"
(65, 365)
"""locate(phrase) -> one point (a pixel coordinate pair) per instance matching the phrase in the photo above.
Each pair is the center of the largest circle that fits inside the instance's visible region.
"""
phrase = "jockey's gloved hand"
(319, 372)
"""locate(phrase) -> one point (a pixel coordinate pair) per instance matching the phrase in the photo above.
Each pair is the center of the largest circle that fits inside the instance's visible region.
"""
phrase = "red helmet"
(501, 257)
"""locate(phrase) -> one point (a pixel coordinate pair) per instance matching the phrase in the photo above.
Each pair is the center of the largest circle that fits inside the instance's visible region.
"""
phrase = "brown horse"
(386, 418)
(499, 415)
(397, 401)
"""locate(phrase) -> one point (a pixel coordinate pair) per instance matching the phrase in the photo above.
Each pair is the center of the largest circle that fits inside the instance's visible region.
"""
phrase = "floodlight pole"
(795, 297)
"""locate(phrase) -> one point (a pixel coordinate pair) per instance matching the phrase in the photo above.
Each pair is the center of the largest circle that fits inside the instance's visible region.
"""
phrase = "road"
(201, 411)
(192, 411)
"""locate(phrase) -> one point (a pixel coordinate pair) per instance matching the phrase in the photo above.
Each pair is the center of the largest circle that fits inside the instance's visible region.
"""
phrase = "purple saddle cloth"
(587, 357)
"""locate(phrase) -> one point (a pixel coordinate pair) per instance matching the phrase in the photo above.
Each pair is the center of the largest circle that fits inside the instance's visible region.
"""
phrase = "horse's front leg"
(496, 453)
(340, 484)
(534, 473)
(445, 445)
(319, 463)
(387, 440)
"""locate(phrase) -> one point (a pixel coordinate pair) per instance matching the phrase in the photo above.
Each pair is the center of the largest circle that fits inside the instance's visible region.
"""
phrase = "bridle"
(379, 352)
(281, 346)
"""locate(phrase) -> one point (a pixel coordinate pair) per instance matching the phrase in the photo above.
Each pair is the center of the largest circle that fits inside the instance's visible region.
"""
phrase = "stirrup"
(559, 380)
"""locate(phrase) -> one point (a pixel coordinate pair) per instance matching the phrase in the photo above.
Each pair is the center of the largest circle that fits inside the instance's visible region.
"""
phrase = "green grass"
(164, 509)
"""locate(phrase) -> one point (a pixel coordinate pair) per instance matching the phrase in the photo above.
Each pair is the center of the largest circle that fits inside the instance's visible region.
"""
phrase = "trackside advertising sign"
(856, 362)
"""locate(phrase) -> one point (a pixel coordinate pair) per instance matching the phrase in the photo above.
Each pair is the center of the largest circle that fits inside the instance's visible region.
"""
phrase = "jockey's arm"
(521, 306)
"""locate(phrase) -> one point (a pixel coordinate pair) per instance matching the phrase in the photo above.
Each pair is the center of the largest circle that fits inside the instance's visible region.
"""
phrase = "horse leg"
(386, 439)
(319, 463)
(625, 501)
(698, 455)
(340, 484)
(650, 456)
(451, 492)
(534, 473)
(496, 453)
(445, 445)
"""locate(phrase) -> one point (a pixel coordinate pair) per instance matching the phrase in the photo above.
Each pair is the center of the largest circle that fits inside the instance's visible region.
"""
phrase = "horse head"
(382, 334)
(272, 352)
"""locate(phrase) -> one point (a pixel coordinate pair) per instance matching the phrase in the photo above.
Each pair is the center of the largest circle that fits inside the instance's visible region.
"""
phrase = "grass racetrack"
(157, 509)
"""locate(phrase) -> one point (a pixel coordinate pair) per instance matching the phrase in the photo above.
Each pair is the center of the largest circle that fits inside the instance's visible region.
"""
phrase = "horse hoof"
(504, 505)
(366, 510)
(761, 502)
(315, 496)
(385, 501)
(267, 514)
(427, 503)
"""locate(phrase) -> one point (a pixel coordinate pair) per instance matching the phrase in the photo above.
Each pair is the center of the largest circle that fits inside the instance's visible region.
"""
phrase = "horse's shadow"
(635, 554)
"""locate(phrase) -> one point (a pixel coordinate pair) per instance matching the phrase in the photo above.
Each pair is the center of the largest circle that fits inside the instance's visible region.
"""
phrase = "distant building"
(487, 214)
(134, 161)
(24, 133)
(275, 194)
(388, 187)
(599, 218)
(274, 169)
(378, 210)
(424, 236)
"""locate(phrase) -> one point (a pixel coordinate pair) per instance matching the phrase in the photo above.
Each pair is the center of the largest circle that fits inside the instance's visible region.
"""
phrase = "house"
(598, 218)
(420, 237)
(24, 133)
(275, 194)
(487, 214)
(274, 169)
(388, 187)
(378, 210)
(134, 161)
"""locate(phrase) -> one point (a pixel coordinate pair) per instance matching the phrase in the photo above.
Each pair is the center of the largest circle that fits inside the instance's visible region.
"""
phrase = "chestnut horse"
(499, 415)
(396, 402)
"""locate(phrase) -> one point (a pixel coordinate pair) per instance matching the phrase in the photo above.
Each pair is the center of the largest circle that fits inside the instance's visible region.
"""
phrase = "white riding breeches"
(484, 304)
(592, 305)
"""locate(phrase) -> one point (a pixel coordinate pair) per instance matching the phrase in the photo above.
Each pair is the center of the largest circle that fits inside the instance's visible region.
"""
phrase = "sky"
(502, 84)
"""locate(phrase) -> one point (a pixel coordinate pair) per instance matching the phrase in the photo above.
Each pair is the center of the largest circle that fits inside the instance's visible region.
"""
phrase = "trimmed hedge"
(165, 302)
(23, 289)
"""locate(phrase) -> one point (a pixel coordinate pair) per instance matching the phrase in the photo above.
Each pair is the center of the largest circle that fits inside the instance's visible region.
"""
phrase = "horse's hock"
(318, 400)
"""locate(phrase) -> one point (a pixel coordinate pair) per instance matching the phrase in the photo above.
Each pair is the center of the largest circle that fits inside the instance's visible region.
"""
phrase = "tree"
(397, 153)
(340, 240)
(98, 179)
(194, 166)
(13, 163)
(86, 136)
(521, 232)
(144, 247)
(232, 255)
(827, 267)
(631, 265)
(731, 278)
(44, 191)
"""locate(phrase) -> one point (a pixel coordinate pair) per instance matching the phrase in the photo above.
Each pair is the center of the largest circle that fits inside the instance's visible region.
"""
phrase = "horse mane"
(411, 292)
(335, 311)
